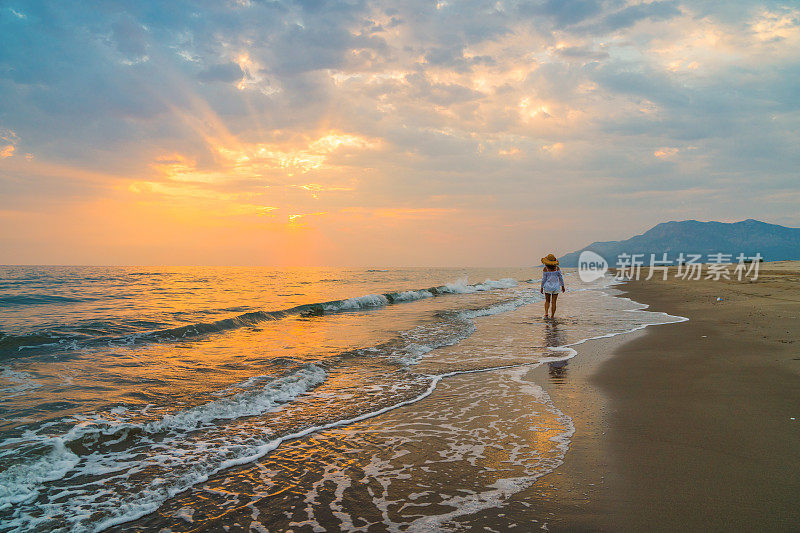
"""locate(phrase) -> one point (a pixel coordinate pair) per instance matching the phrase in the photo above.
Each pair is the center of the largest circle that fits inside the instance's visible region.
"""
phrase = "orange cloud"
(405, 213)
(8, 142)
(666, 153)
(770, 26)
(295, 218)
(246, 161)
(553, 149)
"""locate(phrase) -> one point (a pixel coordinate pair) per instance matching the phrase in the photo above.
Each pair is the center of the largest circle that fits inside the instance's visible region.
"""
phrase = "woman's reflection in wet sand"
(554, 336)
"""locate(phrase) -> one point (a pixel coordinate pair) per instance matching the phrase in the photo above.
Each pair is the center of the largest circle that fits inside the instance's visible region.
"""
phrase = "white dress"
(552, 281)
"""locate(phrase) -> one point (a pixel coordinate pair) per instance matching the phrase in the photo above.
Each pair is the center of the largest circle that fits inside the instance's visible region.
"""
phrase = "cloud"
(470, 111)
(224, 72)
(129, 38)
(630, 15)
(666, 152)
(8, 142)
(564, 12)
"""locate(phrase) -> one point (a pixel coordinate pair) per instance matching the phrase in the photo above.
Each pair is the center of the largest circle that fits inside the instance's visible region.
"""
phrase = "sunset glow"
(417, 135)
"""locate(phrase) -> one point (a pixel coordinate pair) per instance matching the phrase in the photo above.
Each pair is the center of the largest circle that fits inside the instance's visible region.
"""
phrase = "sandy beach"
(692, 426)
(704, 424)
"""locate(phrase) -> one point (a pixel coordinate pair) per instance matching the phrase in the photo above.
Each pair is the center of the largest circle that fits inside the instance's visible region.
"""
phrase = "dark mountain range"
(773, 242)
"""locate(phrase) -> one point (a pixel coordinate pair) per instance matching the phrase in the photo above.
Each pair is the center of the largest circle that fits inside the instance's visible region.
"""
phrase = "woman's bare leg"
(546, 304)
(553, 310)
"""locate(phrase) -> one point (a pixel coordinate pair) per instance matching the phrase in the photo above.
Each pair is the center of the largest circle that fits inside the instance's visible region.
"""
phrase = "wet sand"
(692, 426)
(704, 424)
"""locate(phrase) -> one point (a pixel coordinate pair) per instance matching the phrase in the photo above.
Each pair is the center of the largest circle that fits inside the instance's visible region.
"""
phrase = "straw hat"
(550, 260)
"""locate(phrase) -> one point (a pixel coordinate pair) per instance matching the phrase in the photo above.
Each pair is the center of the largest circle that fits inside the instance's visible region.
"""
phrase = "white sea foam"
(505, 283)
(498, 492)
(22, 482)
(410, 296)
(462, 286)
(248, 403)
(497, 309)
(359, 302)
(415, 350)
(412, 353)
(23, 382)
(184, 460)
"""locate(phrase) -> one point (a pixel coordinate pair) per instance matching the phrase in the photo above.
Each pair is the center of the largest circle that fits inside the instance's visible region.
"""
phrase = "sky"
(414, 133)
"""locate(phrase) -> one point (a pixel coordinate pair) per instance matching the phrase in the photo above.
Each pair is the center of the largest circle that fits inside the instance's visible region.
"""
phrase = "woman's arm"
(541, 285)
(561, 279)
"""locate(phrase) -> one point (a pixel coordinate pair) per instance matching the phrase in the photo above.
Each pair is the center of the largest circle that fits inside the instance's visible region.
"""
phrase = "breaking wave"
(39, 342)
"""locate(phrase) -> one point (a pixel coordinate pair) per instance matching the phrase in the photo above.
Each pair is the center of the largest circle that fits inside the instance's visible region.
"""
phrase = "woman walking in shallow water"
(552, 282)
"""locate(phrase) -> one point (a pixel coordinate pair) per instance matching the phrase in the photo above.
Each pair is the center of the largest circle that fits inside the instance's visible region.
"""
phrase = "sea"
(250, 399)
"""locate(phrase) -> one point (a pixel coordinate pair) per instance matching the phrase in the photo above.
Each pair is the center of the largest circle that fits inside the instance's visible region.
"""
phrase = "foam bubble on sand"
(459, 441)
(186, 514)
(498, 492)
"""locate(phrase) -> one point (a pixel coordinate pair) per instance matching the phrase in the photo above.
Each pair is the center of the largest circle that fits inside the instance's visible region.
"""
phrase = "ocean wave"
(502, 307)
(359, 302)
(88, 434)
(38, 299)
(191, 444)
(21, 482)
(109, 471)
(43, 342)
(22, 383)
(182, 467)
(12, 344)
(248, 403)
(58, 455)
(100, 445)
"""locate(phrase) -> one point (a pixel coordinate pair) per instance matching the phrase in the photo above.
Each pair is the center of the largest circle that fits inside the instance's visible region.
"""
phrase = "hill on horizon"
(773, 242)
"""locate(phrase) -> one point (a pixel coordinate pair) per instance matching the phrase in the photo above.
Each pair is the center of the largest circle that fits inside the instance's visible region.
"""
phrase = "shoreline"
(692, 425)
(576, 496)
